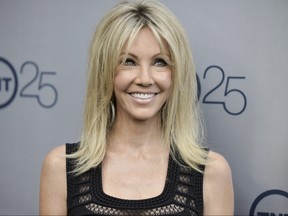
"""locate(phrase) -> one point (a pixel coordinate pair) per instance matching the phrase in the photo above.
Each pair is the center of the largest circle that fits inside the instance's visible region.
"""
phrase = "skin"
(135, 165)
(53, 188)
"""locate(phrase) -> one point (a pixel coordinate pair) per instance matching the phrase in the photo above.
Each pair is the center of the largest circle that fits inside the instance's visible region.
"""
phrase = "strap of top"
(70, 149)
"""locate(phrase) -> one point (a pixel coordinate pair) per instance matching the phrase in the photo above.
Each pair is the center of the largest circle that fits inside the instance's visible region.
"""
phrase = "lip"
(143, 97)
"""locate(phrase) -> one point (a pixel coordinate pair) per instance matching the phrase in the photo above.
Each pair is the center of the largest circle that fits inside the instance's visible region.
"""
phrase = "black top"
(182, 193)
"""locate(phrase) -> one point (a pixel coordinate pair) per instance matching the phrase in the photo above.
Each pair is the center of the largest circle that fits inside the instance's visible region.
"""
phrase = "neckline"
(164, 196)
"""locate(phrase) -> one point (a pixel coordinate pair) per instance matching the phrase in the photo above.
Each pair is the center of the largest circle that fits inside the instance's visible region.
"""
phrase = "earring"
(112, 112)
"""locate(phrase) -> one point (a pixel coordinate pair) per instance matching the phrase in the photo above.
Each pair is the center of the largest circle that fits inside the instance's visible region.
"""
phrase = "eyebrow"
(135, 56)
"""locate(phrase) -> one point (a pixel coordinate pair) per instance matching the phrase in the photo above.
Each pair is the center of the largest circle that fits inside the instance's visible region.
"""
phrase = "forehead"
(145, 40)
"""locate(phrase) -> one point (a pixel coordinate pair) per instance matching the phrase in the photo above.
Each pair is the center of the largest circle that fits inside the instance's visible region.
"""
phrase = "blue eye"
(129, 62)
(160, 62)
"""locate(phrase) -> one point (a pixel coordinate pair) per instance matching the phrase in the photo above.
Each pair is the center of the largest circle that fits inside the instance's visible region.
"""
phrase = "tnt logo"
(270, 203)
(8, 83)
(38, 87)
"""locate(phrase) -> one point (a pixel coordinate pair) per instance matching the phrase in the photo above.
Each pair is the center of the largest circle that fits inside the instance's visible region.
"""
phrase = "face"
(142, 79)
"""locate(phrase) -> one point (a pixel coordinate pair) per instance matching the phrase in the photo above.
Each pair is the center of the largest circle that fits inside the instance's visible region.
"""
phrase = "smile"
(143, 95)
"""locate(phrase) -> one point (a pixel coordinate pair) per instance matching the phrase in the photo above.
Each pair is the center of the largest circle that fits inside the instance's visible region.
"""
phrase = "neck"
(139, 136)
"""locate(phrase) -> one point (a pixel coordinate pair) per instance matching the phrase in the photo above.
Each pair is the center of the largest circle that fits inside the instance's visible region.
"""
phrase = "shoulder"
(53, 182)
(217, 186)
(217, 166)
(54, 167)
(55, 160)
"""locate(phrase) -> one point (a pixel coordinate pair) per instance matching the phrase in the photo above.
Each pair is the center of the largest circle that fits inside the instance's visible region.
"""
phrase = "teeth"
(143, 95)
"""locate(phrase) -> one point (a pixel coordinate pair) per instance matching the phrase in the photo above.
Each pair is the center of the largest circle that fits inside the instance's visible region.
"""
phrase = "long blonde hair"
(181, 123)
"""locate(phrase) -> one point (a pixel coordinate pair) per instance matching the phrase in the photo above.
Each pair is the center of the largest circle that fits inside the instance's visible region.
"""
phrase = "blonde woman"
(141, 149)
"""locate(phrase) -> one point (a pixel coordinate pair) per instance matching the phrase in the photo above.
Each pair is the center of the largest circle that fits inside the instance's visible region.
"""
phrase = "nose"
(144, 77)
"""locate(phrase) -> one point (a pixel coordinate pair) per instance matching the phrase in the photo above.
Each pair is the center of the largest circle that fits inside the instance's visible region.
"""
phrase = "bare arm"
(53, 183)
(218, 187)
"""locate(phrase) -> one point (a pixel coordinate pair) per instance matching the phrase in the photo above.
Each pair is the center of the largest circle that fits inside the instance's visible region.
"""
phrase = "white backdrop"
(241, 54)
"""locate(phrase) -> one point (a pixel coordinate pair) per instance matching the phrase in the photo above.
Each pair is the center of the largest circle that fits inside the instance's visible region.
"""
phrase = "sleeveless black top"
(182, 194)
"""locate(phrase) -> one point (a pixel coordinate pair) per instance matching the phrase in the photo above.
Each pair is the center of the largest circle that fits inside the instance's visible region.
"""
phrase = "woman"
(140, 151)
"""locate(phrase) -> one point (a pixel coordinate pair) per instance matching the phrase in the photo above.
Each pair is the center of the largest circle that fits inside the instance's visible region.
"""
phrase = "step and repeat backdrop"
(241, 54)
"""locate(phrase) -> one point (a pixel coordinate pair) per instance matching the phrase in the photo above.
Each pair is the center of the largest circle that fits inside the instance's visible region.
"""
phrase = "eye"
(129, 62)
(160, 62)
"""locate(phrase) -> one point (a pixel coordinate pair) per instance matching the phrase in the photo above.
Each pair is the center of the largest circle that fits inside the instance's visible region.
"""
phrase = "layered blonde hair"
(181, 124)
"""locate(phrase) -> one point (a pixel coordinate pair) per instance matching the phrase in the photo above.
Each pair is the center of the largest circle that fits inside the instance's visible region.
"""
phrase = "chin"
(146, 116)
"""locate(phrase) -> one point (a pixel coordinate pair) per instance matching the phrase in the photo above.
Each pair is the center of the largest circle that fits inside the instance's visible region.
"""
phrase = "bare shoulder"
(217, 166)
(53, 183)
(55, 159)
(218, 186)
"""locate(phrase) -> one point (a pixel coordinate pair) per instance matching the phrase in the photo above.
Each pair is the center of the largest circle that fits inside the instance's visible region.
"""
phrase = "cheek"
(121, 80)
(117, 82)
(165, 80)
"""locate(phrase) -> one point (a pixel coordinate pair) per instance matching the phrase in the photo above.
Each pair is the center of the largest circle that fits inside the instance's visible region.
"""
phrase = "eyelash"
(159, 62)
(129, 62)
